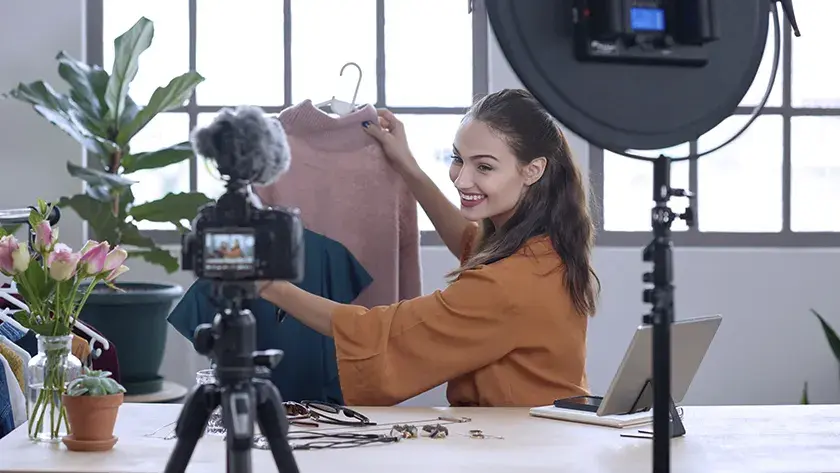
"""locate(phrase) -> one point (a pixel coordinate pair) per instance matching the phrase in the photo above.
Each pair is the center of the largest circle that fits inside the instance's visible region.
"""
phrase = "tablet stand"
(677, 429)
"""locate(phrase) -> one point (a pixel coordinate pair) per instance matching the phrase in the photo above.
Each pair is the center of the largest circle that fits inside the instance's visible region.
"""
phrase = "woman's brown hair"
(555, 206)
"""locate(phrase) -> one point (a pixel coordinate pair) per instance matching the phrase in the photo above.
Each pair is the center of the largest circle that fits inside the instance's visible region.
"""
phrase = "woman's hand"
(390, 133)
(309, 309)
(271, 289)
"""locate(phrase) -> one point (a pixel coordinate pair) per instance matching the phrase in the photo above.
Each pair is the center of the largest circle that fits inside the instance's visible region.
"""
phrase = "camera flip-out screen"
(229, 250)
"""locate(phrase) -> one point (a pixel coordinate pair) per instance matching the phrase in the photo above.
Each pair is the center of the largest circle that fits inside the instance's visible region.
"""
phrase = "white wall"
(767, 345)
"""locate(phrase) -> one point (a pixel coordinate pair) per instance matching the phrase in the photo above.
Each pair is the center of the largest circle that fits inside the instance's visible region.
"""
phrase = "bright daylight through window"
(428, 82)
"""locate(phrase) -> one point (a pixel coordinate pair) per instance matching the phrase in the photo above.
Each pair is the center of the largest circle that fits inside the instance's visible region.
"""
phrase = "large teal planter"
(135, 321)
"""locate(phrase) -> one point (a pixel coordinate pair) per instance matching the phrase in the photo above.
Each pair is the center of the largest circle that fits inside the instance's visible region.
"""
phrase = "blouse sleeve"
(388, 354)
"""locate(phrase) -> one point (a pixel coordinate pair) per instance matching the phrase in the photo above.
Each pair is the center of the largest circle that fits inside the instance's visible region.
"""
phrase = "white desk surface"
(738, 439)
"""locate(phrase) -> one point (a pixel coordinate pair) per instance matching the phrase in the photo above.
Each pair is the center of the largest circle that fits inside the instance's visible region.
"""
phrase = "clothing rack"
(7, 294)
(5, 317)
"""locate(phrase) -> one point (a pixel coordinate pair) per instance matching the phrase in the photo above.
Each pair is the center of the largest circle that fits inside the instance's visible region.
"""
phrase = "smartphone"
(580, 403)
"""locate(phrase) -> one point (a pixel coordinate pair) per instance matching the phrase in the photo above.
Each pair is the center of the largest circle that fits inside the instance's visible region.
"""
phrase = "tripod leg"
(238, 406)
(200, 403)
(271, 416)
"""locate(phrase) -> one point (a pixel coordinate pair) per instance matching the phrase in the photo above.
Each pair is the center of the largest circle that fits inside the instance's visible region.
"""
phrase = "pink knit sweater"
(346, 191)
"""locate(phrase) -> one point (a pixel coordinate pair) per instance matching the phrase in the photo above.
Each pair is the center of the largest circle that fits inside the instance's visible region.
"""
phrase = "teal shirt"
(309, 370)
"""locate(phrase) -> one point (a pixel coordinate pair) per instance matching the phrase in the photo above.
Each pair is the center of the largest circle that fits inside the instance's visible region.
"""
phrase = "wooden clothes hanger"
(340, 107)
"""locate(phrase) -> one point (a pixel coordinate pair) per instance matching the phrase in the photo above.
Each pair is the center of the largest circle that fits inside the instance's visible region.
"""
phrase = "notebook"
(586, 417)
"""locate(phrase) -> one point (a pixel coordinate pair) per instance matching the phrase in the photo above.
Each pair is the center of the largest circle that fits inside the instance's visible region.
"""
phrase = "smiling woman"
(510, 329)
(489, 180)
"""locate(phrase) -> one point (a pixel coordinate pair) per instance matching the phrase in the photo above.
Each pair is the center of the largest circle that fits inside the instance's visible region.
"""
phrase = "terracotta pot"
(92, 418)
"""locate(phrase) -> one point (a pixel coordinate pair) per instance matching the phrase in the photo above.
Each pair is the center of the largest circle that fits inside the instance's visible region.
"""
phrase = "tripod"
(231, 342)
(661, 296)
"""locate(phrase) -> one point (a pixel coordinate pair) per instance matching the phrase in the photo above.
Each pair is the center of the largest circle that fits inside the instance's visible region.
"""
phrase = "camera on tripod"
(236, 238)
(235, 242)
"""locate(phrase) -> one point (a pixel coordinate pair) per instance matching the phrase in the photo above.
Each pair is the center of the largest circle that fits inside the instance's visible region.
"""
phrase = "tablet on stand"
(629, 400)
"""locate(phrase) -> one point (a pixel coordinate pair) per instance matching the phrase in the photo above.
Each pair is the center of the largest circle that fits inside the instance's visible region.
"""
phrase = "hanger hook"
(358, 82)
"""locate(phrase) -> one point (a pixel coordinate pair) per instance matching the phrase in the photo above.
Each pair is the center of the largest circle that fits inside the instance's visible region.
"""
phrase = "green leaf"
(62, 112)
(38, 93)
(130, 235)
(163, 99)
(830, 334)
(149, 251)
(157, 159)
(97, 214)
(130, 113)
(9, 229)
(157, 256)
(127, 49)
(70, 125)
(36, 286)
(126, 201)
(44, 326)
(85, 81)
(804, 398)
(98, 178)
(100, 193)
(171, 208)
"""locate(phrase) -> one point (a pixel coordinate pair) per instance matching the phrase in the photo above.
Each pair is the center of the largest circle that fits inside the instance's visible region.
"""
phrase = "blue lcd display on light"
(647, 19)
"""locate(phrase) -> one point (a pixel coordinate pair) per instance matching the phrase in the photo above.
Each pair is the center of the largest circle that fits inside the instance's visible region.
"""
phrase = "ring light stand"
(627, 74)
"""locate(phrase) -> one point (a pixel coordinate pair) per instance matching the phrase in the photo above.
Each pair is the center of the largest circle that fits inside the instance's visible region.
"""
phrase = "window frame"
(693, 237)
(93, 28)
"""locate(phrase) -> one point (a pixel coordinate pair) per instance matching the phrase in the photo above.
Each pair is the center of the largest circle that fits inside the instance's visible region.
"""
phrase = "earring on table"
(404, 430)
(436, 431)
(479, 434)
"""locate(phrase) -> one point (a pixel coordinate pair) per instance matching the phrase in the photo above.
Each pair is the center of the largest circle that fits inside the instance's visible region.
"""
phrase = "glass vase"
(215, 426)
(48, 374)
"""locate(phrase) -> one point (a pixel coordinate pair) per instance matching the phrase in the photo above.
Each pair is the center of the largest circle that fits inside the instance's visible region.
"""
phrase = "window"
(775, 185)
(275, 53)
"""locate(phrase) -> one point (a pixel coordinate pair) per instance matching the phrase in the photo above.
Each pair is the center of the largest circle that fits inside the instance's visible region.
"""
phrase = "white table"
(720, 439)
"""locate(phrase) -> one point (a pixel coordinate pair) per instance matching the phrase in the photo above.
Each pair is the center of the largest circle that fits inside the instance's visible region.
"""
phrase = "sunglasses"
(323, 412)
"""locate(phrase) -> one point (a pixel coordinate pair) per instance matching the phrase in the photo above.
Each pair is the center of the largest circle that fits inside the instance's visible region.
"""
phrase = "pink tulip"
(115, 273)
(20, 258)
(63, 262)
(93, 257)
(114, 259)
(45, 236)
(14, 257)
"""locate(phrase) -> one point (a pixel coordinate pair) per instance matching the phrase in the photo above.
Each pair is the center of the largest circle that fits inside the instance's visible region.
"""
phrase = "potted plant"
(92, 401)
(55, 283)
(101, 116)
(833, 342)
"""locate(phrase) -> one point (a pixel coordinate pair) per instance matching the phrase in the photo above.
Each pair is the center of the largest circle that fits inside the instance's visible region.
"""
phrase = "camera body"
(237, 239)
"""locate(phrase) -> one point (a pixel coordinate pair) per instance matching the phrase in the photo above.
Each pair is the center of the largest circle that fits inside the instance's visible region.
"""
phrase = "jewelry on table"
(320, 441)
(436, 431)
(386, 427)
(404, 431)
(479, 434)
(341, 436)
(169, 435)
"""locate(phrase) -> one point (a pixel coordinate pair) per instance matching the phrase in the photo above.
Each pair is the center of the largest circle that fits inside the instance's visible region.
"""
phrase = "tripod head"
(230, 341)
